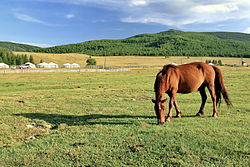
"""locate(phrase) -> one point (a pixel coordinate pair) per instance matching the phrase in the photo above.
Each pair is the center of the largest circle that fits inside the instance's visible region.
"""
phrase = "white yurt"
(28, 65)
(53, 65)
(74, 65)
(67, 65)
(3, 65)
(31, 65)
(42, 65)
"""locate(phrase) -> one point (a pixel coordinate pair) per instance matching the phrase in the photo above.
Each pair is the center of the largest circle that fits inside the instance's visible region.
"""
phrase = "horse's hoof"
(168, 119)
(178, 116)
(215, 115)
(199, 114)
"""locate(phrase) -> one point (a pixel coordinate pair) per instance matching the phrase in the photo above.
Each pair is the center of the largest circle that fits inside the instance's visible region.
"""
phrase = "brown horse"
(187, 78)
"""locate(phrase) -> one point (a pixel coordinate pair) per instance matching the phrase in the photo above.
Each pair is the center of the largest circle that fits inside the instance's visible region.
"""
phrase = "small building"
(74, 65)
(27, 65)
(42, 65)
(68, 65)
(244, 63)
(3, 65)
(47, 65)
(53, 65)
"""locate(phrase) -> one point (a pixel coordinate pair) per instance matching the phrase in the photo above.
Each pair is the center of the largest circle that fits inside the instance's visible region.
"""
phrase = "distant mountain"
(167, 43)
(231, 35)
(17, 47)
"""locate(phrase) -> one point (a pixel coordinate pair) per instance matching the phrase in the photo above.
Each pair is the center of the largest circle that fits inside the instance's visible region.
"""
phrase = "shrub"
(91, 61)
(220, 63)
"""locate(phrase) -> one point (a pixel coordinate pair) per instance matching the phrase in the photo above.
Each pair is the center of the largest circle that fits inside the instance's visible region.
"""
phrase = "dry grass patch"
(123, 61)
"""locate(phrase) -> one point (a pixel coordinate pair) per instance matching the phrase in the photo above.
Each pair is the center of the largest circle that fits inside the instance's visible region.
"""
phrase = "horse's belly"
(185, 90)
(188, 88)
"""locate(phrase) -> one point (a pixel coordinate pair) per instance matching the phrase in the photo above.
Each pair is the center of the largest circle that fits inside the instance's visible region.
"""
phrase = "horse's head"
(160, 110)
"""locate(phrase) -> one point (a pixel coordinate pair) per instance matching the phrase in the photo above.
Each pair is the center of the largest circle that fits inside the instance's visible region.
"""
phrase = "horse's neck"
(159, 94)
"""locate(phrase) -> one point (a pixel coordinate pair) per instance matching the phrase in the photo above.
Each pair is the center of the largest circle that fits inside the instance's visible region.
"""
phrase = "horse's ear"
(163, 101)
(154, 101)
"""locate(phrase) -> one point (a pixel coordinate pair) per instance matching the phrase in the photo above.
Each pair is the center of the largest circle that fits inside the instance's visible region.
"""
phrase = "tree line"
(9, 58)
(169, 43)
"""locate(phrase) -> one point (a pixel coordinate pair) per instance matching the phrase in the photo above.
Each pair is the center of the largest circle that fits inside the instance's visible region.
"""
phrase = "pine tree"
(13, 61)
(19, 60)
(5, 59)
(31, 59)
(25, 59)
(220, 62)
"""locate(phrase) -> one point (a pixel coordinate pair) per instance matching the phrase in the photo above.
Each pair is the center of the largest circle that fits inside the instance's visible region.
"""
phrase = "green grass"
(107, 119)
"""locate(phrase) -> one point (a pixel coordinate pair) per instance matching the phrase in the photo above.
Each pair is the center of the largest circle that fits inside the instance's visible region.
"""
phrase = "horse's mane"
(166, 67)
(157, 81)
(160, 75)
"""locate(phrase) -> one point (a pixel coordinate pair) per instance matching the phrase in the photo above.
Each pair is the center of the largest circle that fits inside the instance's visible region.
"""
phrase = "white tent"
(43, 65)
(53, 65)
(67, 65)
(47, 65)
(31, 65)
(28, 65)
(3, 65)
(74, 65)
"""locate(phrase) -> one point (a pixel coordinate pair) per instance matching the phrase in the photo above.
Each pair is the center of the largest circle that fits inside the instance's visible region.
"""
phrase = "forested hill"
(17, 47)
(168, 43)
(231, 35)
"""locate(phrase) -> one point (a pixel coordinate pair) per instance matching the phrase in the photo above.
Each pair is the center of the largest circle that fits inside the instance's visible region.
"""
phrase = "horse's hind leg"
(178, 111)
(211, 89)
(204, 98)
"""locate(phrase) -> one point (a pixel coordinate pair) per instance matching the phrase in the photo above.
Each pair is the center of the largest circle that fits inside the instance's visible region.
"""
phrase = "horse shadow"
(91, 119)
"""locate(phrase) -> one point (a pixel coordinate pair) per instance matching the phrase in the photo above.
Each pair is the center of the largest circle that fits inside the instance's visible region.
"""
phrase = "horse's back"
(191, 76)
(196, 69)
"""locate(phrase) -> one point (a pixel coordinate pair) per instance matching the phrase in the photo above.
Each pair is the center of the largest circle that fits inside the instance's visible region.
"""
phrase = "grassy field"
(107, 119)
(121, 61)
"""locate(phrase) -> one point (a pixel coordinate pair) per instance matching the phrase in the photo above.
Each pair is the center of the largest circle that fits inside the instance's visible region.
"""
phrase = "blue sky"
(58, 22)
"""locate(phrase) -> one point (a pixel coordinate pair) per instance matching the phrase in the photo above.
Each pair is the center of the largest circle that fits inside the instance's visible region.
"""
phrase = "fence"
(62, 70)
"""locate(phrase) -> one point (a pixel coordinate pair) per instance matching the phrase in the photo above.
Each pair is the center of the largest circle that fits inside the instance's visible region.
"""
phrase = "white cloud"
(31, 19)
(215, 8)
(173, 13)
(28, 18)
(138, 3)
(247, 30)
(69, 16)
(42, 45)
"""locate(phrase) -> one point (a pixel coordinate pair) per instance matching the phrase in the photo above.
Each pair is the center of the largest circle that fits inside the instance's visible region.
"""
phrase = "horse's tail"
(220, 88)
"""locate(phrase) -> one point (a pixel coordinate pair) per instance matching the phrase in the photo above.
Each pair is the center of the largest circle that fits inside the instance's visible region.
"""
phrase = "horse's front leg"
(171, 102)
(178, 111)
(169, 117)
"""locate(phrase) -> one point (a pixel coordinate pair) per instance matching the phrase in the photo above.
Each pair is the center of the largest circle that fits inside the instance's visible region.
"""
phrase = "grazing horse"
(187, 78)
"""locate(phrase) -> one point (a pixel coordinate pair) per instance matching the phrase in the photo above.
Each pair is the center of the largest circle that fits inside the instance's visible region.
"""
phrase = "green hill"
(168, 43)
(231, 35)
(17, 47)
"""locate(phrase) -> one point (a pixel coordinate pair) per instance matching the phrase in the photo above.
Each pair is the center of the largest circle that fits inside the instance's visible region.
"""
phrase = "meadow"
(107, 119)
(125, 61)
